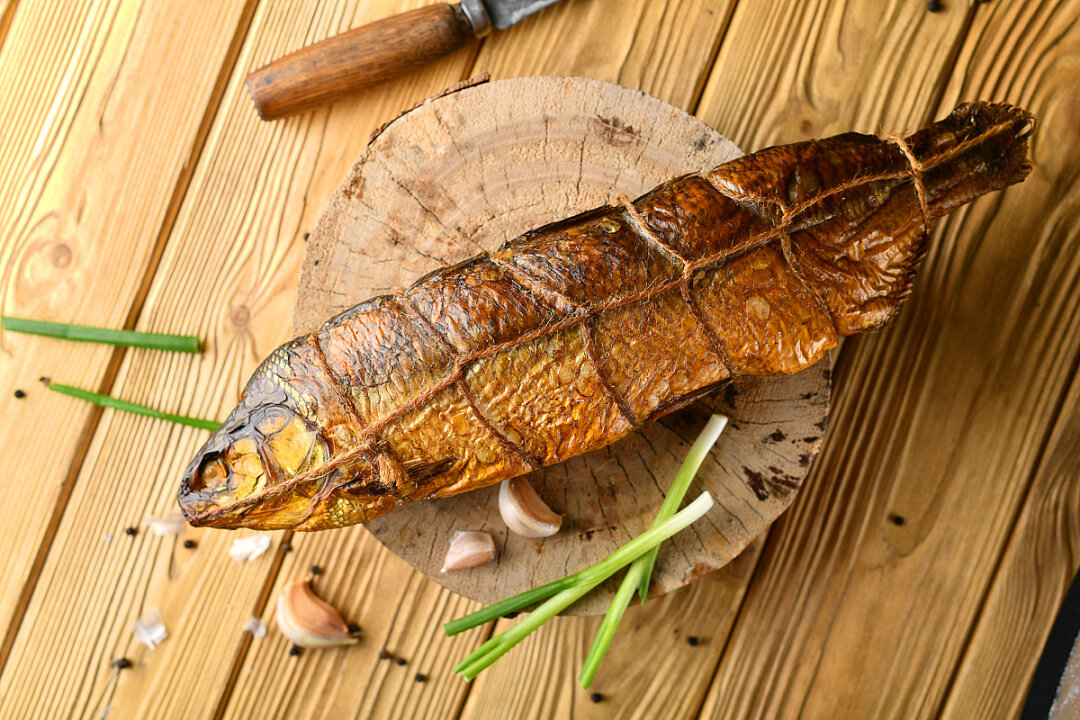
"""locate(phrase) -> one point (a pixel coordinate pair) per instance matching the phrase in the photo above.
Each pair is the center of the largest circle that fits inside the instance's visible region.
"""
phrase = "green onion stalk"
(85, 333)
(117, 404)
(565, 592)
(637, 576)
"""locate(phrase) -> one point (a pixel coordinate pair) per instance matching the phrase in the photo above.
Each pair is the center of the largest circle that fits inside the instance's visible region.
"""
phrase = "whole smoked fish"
(571, 335)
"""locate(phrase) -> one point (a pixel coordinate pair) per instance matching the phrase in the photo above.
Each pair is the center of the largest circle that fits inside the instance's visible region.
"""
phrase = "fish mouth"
(202, 508)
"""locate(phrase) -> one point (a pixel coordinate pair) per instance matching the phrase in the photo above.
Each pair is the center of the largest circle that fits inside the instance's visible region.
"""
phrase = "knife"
(378, 51)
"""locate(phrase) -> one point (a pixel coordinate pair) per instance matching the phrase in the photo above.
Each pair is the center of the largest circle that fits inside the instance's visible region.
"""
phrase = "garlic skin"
(524, 512)
(468, 549)
(309, 621)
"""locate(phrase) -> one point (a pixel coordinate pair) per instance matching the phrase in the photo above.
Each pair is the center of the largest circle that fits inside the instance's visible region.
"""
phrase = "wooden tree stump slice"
(466, 171)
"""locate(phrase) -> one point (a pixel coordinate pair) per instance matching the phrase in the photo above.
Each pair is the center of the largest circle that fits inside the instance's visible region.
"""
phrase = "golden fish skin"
(571, 335)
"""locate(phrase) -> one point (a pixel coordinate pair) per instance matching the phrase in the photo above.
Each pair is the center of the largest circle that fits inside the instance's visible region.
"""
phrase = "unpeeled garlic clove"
(308, 620)
(468, 549)
(524, 512)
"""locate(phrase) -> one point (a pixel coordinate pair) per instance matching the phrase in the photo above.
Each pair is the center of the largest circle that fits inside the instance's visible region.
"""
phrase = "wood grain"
(1043, 550)
(442, 183)
(663, 47)
(93, 153)
(337, 66)
(226, 274)
(925, 480)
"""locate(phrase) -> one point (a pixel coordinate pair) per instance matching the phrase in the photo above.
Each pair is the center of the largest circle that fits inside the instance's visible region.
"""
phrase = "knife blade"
(361, 57)
(505, 13)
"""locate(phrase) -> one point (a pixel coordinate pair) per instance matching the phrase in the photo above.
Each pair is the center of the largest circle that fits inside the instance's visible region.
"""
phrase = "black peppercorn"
(189, 544)
(420, 677)
(400, 661)
(354, 629)
(19, 394)
(286, 547)
(693, 641)
(294, 650)
(121, 663)
(130, 531)
(934, 6)
(596, 697)
(315, 569)
(383, 654)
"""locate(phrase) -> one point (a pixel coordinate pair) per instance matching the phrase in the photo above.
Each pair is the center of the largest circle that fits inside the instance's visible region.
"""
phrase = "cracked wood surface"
(956, 423)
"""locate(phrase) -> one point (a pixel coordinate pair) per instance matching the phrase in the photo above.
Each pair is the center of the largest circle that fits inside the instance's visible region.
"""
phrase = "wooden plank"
(1042, 552)
(227, 274)
(95, 151)
(875, 581)
(792, 70)
(664, 48)
(1040, 562)
(388, 693)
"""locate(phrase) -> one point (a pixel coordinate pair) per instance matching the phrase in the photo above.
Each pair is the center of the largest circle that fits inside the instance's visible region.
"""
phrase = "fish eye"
(212, 475)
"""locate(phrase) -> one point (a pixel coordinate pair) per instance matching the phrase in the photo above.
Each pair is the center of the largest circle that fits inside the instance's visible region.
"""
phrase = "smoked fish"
(570, 336)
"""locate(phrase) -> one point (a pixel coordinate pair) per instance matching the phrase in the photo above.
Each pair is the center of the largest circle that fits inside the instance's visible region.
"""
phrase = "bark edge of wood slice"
(467, 170)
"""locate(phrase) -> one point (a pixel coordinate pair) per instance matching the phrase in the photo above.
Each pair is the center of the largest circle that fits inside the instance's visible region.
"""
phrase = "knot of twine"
(916, 173)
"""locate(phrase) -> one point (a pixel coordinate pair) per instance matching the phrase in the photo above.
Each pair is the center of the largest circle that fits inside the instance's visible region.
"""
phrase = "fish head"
(246, 473)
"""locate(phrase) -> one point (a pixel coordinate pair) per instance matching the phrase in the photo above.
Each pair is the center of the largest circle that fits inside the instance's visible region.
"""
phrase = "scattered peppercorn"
(693, 641)
(316, 263)
(383, 655)
(896, 520)
(130, 531)
(596, 697)
(19, 394)
(511, 615)
(354, 629)
(121, 663)
(189, 544)
(934, 6)
(420, 677)
(294, 650)
(286, 547)
(400, 661)
(315, 569)
(306, 236)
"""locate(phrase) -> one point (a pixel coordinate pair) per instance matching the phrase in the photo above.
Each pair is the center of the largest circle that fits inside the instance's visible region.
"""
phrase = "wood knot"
(240, 315)
(60, 255)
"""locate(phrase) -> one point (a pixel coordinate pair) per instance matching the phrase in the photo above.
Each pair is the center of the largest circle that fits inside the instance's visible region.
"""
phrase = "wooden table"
(918, 573)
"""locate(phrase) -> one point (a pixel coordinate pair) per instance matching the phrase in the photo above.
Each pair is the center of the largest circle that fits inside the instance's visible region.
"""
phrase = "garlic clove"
(246, 549)
(308, 620)
(524, 512)
(468, 549)
(149, 630)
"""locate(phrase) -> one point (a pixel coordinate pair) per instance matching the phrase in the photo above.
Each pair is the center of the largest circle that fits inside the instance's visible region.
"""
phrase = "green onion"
(84, 333)
(637, 576)
(569, 590)
(698, 452)
(116, 404)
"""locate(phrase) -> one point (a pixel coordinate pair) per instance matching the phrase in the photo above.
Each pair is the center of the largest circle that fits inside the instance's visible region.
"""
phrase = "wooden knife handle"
(356, 59)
